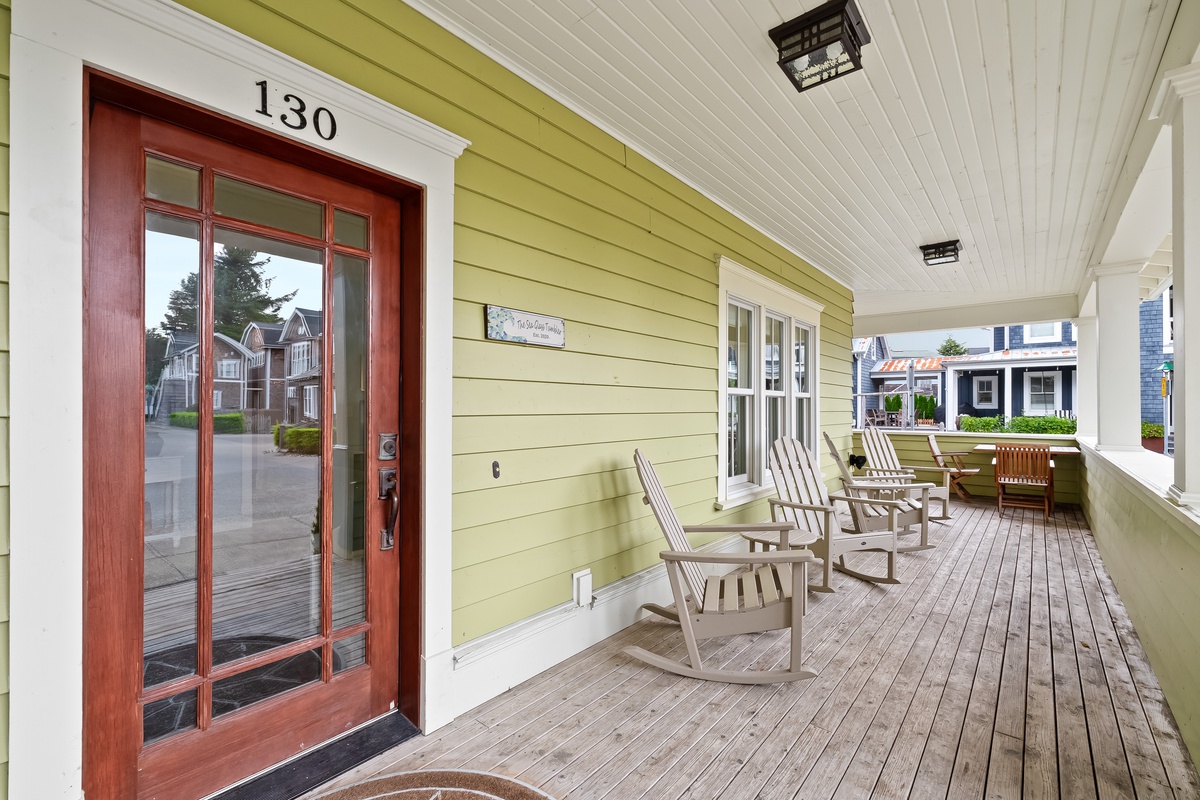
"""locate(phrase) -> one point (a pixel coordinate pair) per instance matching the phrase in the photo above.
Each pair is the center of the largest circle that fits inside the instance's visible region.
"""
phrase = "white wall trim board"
(176, 51)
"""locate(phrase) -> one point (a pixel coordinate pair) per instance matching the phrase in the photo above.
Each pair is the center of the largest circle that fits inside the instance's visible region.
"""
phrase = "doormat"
(438, 784)
(295, 778)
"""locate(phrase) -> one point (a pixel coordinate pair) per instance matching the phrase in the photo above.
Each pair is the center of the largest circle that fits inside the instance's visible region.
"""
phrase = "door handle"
(388, 491)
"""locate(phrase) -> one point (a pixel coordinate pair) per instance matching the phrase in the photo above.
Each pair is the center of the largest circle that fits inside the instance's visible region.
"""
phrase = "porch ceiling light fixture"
(941, 253)
(821, 44)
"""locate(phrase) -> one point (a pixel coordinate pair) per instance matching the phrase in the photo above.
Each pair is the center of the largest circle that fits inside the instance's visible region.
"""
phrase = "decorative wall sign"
(510, 325)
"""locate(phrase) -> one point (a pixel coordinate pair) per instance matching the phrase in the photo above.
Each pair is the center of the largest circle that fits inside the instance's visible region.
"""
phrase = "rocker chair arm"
(745, 527)
(887, 471)
(775, 501)
(900, 504)
(930, 469)
(878, 487)
(770, 557)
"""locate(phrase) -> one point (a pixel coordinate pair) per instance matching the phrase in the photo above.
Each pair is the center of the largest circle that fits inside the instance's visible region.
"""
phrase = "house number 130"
(296, 116)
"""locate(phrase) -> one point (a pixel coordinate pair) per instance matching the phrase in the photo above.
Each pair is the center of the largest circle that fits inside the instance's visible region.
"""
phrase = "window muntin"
(766, 332)
(1043, 393)
(985, 392)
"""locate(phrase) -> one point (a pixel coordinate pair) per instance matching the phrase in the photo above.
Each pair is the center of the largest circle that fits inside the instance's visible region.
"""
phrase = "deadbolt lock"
(387, 447)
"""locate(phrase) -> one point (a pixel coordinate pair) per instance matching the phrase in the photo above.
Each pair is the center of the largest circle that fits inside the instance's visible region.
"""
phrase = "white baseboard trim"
(492, 664)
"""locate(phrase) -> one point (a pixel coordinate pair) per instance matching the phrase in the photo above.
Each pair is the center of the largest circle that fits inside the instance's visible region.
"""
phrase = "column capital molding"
(1176, 84)
(1123, 268)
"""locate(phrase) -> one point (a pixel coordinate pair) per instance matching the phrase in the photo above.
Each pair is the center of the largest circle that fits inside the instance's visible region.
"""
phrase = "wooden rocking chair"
(882, 461)
(1028, 466)
(766, 592)
(804, 501)
(872, 512)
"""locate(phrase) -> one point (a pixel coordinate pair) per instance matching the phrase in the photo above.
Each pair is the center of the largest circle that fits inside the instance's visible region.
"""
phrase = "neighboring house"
(179, 385)
(301, 338)
(927, 376)
(265, 383)
(867, 352)
(1157, 326)
(1030, 372)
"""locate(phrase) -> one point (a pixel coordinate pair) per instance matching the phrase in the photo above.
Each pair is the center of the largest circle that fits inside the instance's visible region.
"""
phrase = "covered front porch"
(1004, 665)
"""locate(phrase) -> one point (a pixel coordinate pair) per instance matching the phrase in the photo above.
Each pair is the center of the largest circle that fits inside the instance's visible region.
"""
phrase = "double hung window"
(300, 357)
(229, 368)
(985, 392)
(1043, 392)
(311, 395)
(768, 377)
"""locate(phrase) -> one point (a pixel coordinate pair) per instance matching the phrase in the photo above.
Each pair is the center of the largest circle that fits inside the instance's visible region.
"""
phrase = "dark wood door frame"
(109, 715)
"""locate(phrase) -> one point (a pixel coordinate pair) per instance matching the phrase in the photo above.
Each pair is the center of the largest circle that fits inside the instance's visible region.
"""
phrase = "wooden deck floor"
(1003, 666)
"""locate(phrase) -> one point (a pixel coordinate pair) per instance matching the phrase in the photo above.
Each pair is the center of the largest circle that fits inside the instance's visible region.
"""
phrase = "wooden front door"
(242, 389)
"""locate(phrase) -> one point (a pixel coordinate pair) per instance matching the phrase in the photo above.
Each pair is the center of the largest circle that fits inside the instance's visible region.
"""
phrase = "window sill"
(745, 497)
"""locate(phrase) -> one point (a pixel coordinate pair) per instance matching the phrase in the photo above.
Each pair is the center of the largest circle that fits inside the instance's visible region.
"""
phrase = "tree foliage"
(952, 347)
(241, 293)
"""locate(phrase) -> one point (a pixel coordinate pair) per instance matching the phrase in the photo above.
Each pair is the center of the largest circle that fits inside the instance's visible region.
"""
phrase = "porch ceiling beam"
(873, 318)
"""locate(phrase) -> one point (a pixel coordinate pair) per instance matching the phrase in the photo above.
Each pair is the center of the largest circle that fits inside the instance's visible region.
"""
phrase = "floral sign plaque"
(510, 325)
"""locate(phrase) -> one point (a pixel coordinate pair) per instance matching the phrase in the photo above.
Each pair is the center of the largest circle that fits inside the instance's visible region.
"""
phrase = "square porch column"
(1086, 386)
(1118, 395)
(1178, 105)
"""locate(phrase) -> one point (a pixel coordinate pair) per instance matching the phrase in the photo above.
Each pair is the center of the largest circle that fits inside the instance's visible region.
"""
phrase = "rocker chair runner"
(804, 501)
(766, 592)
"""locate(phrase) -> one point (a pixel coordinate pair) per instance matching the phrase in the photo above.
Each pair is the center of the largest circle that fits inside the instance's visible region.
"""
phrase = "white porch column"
(1006, 376)
(951, 398)
(1085, 365)
(1179, 106)
(1118, 396)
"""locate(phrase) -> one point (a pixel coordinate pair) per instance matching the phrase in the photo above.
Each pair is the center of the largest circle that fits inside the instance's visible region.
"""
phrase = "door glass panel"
(172, 183)
(350, 229)
(163, 717)
(350, 652)
(245, 201)
(349, 439)
(251, 686)
(171, 448)
(266, 513)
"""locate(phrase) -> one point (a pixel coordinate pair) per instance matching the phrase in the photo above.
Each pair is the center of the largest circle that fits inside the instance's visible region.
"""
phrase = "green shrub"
(222, 423)
(925, 405)
(275, 433)
(981, 424)
(185, 419)
(1152, 430)
(893, 403)
(302, 440)
(1051, 425)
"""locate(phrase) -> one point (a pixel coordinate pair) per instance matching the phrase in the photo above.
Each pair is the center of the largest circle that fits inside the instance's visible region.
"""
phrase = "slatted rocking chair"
(882, 461)
(872, 513)
(766, 592)
(804, 501)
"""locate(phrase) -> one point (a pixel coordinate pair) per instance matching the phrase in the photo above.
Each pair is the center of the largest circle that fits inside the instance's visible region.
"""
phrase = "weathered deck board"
(1004, 665)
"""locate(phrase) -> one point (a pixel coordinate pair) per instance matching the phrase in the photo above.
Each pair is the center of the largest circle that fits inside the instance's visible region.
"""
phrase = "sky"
(932, 340)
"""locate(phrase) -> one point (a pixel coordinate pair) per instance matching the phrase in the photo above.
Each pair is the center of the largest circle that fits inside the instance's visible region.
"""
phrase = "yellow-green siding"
(555, 216)
(1152, 551)
(5, 30)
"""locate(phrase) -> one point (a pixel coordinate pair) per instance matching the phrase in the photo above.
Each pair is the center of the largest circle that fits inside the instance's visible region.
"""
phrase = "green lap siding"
(554, 216)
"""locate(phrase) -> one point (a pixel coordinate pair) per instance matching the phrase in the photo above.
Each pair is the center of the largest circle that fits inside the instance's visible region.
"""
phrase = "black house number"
(297, 115)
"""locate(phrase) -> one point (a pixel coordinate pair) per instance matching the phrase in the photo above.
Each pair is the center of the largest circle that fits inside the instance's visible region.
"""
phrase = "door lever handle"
(388, 490)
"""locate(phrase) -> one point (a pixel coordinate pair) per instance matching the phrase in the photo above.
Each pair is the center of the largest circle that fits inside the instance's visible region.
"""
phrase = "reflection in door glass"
(169, 501)
(349, 439)
(267, 417)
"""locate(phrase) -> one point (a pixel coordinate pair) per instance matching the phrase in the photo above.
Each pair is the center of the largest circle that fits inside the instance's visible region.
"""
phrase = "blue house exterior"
(1157, 348)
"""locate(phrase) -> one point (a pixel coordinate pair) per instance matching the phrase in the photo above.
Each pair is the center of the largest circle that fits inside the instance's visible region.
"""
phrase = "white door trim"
(185, 55)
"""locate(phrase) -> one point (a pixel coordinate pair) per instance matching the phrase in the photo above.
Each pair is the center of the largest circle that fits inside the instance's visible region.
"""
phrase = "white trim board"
(185, 55)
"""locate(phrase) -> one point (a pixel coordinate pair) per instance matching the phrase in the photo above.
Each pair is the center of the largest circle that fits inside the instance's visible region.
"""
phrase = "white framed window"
(291, 391)
(1043, 333)
(301, 361)
(217, 399)
(985, 395)
(768, 387)
(1043, 393)
(311, 406)
(1169, 320)
(229, 368)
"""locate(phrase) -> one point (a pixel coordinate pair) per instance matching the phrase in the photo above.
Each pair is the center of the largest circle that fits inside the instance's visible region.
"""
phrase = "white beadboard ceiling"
(1003, 123)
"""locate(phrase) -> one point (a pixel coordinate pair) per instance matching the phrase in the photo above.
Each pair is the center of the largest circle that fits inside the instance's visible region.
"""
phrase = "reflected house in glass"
(268, 368)
(301, 338)
(178, 385)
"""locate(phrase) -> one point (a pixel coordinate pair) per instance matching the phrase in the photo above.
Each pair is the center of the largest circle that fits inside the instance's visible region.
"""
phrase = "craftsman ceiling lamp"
(941, 253)
(821, 44)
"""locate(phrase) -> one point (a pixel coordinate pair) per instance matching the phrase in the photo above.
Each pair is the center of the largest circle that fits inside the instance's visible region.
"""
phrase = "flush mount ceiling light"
(821, 44)
(942, 252)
